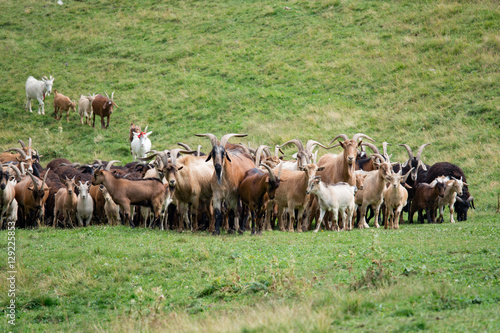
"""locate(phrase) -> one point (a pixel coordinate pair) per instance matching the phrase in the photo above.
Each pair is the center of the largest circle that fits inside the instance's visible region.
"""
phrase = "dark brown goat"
(426, 198)
(255, 190)
(103, 106)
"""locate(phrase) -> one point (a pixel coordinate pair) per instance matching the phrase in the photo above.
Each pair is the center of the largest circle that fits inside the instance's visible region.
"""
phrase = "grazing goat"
(142, 192)
(463, 202)
(255, 190)
(141, 144)
(372, 192)
(426, 198)
(292, 194)
(453, 188)
(36, 89)
(62, 103)
(395, 198)
(112, 210)
(333, 198)
(31, 194)
(85, 108)
(103, 107)
(66, 202)
(230, 167)
(85, 205)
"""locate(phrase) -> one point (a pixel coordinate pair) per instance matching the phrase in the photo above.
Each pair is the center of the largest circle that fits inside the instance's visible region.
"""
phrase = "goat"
(66, 202)
(103, 107)
(23, 155)
(453, 188)
(7, 193)
(465, 200)
(85, 108)
(133, 129)
(85, 205)
(292, 194)
(31, 197)
(140, 144)
(395, 198)
(36, 89)
(304, 155)
(255, 190)
(334, 198)
(143, 192)
(426, 198)
(372, 192)
(230, 167)
(62, 103)
(111, 209)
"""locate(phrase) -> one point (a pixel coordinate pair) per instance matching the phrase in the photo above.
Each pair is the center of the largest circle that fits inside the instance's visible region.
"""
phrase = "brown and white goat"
(426, 198)
(255, 190)
(31, 194)
(7, 193)
(453, 187)
(372, 192)
(395, 198)
(141, 192)
(62, 103)
(230, 167)
(66, 201)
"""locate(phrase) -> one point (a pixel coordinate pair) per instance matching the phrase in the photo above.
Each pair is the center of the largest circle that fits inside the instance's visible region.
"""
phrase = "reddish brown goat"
(426, 198)
(31, 194)
(62, 103)
(66, 200)
(103, 106)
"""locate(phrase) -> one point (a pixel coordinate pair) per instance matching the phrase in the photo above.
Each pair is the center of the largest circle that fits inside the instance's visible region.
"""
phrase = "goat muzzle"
(3, 186)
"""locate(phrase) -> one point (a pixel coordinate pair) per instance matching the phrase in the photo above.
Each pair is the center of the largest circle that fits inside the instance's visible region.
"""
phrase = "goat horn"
(410, 153)
(110, 164)
(378, 156)
(22, 143)
(271, 174)
(343, 136)
(371, 146)
(277, 150)
(361, 135)
(183, 145)
(112, 94)
(421, 149)
(173, 155)
(19, 150)
(258, 153)
(17, 171)
(311, 144)
(297, 142)
(198, 152)
(35, 185)
(225, 138)
(384, 149)
(106, 95)
(280, 168)
(45, 177)
(210, 136)
(267, 151)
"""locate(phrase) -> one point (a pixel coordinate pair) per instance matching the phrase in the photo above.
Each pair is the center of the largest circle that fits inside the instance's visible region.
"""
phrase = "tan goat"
(62, 103)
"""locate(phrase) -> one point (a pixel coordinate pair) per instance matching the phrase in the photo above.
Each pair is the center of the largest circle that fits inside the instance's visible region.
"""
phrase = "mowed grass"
(403, 72)
(422, 277)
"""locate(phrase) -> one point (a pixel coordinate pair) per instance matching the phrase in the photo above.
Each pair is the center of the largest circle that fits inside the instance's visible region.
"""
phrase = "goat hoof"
(241, 232)
(216, 233)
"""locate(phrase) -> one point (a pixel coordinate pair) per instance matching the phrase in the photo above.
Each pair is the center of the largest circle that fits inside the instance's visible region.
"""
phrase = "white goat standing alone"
(36, 89)
(85, 205)
(337, 198)
(141, 144)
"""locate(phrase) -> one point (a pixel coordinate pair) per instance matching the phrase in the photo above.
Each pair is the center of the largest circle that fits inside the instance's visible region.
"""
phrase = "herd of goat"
(177, 188)
(184, 188)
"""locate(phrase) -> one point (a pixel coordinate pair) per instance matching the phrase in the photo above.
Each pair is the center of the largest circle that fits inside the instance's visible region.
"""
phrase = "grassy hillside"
(400, 71)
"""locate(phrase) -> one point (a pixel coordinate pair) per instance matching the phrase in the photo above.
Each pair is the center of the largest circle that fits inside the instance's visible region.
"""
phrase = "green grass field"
(400, 71)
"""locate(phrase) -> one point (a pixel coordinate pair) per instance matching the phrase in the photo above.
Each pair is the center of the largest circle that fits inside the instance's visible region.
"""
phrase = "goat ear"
(31, 189)
(227, 156)
(404, 164)
(180, 168)
(321, 169)
(148, 133)
(209, 157)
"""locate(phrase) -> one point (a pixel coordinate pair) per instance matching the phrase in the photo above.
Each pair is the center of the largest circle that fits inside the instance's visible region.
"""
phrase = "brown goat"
(124, 192)
(103, 107)
(66, 201)
(31, 194)
(62, 103)
(426, 198)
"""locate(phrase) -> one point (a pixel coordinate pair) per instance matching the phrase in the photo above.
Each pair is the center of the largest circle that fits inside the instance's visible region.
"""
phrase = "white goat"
(85, 108)
(84, 205)
(337, 198)
(453, 188)
(36, 89)
(141, 144)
